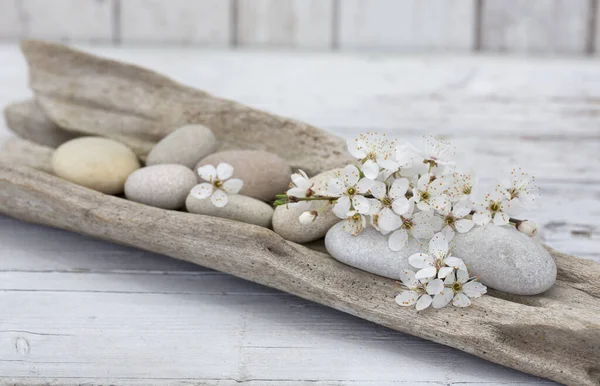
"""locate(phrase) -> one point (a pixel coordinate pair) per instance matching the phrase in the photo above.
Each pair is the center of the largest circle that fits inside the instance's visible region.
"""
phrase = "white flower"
(308, 217)
(349, 187)
(438, 262)
(374, 151)
(354, 223)
(429, 194)
(459, 289)
(520, 188)
(527, 227)
(437, 151)
(422, 225)
(455, 222)
(392, 203)
(417, 292)
(493, 206)
(301, 186)
(459, 186)
(219, 184)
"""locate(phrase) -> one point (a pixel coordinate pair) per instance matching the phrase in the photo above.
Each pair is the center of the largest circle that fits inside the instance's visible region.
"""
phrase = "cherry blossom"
(301, 185)
(429, 194)
(459, 289)
(374, 151)
(437, 262)
(492, 206)
(454, 220)
(219, 184)
(349, 189)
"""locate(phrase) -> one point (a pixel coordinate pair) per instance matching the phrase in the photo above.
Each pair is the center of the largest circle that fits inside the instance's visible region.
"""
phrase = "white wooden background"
(511, 26)
(76, 310)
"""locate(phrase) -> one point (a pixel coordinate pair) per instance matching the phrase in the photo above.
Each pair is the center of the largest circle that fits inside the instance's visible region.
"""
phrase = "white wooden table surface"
(77, 310)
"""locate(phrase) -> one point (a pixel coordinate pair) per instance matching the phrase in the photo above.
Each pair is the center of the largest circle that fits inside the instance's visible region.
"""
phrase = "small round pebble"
(185, 146)
(264, 174)
(97, 163)
(163, 186)
(285, 217)
(239, 208)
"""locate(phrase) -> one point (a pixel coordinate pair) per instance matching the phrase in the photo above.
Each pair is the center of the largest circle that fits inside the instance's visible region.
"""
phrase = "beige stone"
(163, 186)
(185, 146)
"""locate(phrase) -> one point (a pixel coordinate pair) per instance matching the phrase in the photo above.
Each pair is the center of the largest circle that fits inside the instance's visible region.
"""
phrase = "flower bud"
(527, 227)
(308, 217)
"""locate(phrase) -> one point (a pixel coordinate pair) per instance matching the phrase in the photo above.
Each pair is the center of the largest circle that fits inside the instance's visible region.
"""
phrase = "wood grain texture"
(187, 22)
(144, 106)
(64, 20)
(407, 25)
(16, 151)
(548, 27)
(531, 333)
(285, 23)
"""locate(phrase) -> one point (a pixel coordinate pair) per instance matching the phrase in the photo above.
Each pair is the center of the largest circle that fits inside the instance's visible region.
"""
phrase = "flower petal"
(461, 209)
(364, 185)
(407, 277)
(400, 205)
(370, 169)
(378, 189)
(462, 276)
(423, 302)
(388, 220)
(455, 263)
(421, 260)
(474, 289)
(435, 287)
(461, 300)
(219, 198)
(342, 207)
(356, 148)
(293, 192)
(481, 218)
(398, 240)
(207, 173)
(354, 227)
(464, 225)
(438, 246)
(350, 175)
(440, 300)
(448, 232)
(224, 171)
(407, 298)
(360, 204)
(501, 219)
(335, 187)
(445, 271)
(426, 273)
(202, 191)
(399, 188)
(234, 185)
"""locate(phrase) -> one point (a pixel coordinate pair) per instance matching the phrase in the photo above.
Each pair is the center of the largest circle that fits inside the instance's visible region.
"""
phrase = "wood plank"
(111, 334)
(66, 20)
(407, 25)
(189, 22)
(285, 23)
(548, 27)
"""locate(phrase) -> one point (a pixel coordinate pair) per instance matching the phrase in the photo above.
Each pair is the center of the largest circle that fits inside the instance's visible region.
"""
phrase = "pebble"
(163, 186)
(264, 174)
(285, 218)
(239, 208)
(185, 146)
(97, 163)
(502, 257)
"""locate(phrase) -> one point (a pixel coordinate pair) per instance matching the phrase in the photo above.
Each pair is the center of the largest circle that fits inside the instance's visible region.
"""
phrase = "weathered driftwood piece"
(554, 335)
(17, 151)
(28, 121)
(87, 94)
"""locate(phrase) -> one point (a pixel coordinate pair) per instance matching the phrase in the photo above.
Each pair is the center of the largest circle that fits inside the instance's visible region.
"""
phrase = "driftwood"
(555, 335)
(86, 94)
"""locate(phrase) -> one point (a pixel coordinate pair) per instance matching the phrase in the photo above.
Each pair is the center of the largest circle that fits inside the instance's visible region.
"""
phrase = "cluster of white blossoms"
(404, 192)
(218, 184)
(441, 279)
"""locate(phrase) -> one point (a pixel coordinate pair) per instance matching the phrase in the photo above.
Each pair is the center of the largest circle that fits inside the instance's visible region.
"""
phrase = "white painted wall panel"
(541, 26)
(10, 23)
(66, 20)
(201, 22)
(288, 23)
(407, 25)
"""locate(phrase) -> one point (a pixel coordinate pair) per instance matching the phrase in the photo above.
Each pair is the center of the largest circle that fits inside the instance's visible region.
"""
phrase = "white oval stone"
(163, 186)
(185, 146)
(503, 258)
(97, 163)
(239, 208)
(285, 218)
